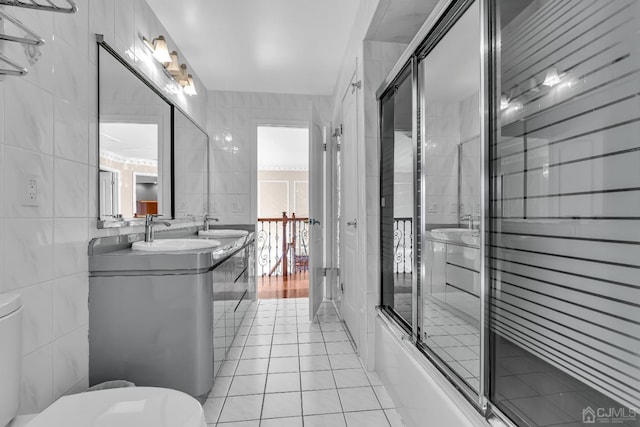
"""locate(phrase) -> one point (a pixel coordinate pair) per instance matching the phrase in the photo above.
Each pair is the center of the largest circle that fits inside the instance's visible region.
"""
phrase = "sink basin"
(223, 233)
(168, 245)
(464, 235)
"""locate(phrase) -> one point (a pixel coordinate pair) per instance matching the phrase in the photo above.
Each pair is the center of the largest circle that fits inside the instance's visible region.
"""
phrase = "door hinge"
(342, 287)
(324, 147)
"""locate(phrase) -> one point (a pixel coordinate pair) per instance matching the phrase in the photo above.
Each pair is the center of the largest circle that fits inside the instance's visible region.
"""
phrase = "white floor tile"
(220, 386)
(374, 379)
(310, 337)
(258, 340)
(358, 399)
(228, 368)
(252, 366)
(284, 350)
(282, 422)
(234, 353)
(339, 347)
(254, 423)
(320, 402)
(284, 364)
(314, 363)
(344, 361)
(366, 419)
(332, 327)
(335, 336)
(312, 349)
(247, 384)
(383, 397)
(326, 420)
(241, 408)
(317, 380)
(291, 338)
(308, 327)
(212, 408)
(394, 418)
(256, 352)
(279, 405)
(285, 329)
(289, 381)
(351, 378)
(261, 330)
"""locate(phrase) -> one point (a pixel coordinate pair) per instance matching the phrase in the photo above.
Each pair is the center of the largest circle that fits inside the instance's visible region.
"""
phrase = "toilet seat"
(123, 407)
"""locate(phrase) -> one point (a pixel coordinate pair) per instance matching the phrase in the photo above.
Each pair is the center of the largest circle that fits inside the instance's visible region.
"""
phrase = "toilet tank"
(10, 356)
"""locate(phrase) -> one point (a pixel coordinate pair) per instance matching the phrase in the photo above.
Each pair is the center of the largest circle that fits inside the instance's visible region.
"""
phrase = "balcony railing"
(403, 245)
(283, 245)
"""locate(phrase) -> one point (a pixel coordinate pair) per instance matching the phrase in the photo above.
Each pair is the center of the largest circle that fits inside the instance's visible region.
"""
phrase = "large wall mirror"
(191, 168)
(153, 159)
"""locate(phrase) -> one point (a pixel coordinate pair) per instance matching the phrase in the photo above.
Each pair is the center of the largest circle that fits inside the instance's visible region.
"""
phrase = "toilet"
(121, 407)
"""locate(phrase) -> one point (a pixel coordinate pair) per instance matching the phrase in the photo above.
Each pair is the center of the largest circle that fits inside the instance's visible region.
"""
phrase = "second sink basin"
(168, 245)
(223, 233)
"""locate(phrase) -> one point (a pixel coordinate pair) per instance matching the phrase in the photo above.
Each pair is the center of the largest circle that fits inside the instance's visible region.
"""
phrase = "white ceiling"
(282, 46)
(398, 21)
(131, 141)
(283, 148)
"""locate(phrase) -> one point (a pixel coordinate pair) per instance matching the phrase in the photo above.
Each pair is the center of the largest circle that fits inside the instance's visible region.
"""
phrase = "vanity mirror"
(191, 166)
(153, 159)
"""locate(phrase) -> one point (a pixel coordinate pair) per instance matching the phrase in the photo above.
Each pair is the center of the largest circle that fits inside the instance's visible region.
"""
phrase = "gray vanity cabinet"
(230, 284)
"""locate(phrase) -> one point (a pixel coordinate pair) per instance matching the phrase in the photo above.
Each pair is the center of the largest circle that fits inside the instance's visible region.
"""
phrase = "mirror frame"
(136, 222)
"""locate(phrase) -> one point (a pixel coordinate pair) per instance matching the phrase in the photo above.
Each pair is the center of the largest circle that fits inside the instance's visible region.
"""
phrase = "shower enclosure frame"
(444, 16)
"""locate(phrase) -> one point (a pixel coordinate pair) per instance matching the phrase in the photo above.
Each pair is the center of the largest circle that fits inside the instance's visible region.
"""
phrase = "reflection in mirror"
(134, 145)
(190, 168)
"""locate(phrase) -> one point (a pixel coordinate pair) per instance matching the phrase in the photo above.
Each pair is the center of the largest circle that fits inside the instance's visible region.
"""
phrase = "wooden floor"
(293, 286)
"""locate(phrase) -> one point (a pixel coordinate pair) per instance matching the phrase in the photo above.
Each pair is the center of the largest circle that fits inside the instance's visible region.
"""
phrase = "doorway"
(282, 229)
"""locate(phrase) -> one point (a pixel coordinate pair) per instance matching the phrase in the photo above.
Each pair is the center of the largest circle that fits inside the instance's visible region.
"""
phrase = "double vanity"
(164, 313)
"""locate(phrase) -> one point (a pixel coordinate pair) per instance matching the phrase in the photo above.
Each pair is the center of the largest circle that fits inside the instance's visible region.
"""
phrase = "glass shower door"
(450, 300)
(565, 213)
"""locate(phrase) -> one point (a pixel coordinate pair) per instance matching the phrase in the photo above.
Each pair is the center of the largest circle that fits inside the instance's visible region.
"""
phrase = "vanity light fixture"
(190, 88)
(552, 77)
(504, 102)
(159, 48)
(171, 64)
(183, 77)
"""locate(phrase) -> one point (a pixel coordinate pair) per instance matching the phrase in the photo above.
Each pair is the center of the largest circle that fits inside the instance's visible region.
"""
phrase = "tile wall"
(232, 118)
(48, 132)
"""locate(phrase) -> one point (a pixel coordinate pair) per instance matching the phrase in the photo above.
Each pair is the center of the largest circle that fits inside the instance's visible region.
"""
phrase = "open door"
(350, 287)
(317, 139)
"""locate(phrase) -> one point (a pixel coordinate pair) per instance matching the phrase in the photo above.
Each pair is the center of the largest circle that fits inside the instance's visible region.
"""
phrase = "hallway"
(282, 370)
(291, 286)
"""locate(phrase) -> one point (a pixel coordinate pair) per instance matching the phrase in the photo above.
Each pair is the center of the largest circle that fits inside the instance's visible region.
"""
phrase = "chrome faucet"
(469, 218)
(149, 223)
(206, 218)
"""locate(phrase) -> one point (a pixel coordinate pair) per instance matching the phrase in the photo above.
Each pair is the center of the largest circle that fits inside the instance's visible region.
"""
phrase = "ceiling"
(398, 21)
(281, 46)
(283, 148)
(130, 141)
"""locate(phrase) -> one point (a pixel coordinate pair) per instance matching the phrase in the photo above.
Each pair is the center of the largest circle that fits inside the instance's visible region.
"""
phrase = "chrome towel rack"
(50, 6)
(31, 38)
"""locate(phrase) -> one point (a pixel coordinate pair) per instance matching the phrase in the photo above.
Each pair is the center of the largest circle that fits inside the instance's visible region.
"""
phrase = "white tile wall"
(48, 131)
(233, 183)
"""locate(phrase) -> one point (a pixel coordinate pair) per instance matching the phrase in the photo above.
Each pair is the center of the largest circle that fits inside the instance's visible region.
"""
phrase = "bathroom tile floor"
(283, 370)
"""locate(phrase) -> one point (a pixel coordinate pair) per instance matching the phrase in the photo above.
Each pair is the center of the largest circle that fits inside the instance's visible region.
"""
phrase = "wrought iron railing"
(283, 245)
(403, 245)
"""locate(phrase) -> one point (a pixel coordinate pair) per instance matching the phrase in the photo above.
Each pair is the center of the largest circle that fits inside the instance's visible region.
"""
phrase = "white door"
(349, 215)
(317, 139)
(108, 194)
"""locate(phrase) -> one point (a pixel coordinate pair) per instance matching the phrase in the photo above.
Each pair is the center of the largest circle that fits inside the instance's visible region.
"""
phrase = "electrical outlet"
(31, 191)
